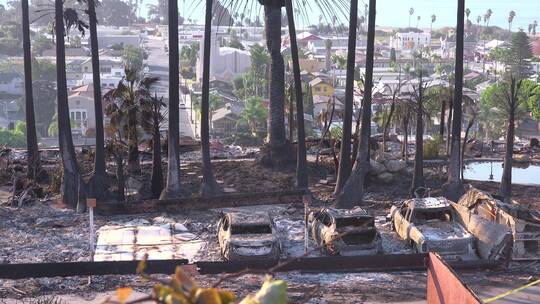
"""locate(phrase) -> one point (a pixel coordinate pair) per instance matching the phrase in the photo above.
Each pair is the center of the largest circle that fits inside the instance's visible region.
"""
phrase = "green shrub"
(432, 147)
(12, 138)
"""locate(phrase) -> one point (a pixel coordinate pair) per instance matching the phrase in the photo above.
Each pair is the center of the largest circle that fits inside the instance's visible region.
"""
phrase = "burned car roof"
(428, 203)
(474, 197)
(249, 219)
(342, 213)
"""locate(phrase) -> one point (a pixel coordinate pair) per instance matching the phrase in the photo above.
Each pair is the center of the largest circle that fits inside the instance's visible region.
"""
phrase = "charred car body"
(248, 236)
(522, 224)
(345, 232)
(430, 224)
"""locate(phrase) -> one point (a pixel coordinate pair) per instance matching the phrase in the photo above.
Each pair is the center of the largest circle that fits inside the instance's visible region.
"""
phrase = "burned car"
(345, 232)
(248, 236)
(520, 223)
(429, 224)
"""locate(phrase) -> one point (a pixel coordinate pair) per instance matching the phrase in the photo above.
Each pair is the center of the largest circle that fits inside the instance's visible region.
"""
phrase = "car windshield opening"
(355, 221)
(251, 229)
(424, 216)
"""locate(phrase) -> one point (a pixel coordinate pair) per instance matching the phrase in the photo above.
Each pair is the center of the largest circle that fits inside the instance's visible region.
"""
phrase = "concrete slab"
(160, 242)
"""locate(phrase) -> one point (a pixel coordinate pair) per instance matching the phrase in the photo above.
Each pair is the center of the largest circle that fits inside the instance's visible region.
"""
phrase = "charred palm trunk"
(387, 124)
(157, 168)
(290, 116)
(120, 178)
(345, 151)
(301, 161)
(453, 189)
(98, 183)
(449, 124)
(279, 151)
(31, 135)
(353, 190)
(134, 166)
(465, 138)
(405, 147)
(418, 175)
(73, 190)
(172, 189)
(441, 125)
(209, 185)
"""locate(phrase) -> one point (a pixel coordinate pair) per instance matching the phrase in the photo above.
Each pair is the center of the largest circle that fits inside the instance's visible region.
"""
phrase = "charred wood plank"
(198, 203)
(41, 270)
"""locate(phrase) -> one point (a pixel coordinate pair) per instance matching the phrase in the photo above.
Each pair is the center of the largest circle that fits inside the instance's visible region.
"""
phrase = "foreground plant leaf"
(271, 292)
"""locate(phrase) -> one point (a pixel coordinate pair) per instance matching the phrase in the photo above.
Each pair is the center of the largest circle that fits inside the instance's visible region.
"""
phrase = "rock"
(162, 220)
(394, 165)
(137, 222)
(59, 222)
(376, 168)
(383, 156)
(385, 177)
(522, 158)
(179, 227)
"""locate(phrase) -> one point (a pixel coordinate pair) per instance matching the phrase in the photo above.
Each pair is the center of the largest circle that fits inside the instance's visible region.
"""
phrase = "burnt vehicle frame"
(248, 236)
(345, 232)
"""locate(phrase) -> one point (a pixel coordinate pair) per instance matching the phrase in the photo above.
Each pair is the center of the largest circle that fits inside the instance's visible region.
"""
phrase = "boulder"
(522, 158)
(385, 177)
(376, 168)
(383, 156)
(394, 165)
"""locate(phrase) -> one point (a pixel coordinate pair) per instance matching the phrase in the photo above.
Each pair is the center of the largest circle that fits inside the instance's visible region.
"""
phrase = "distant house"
(448, 45)
(302, 39)
(528, 128)
(11, 83)
(70, 52)
(321, 87)
(110, 39)
(410, 40)
(106, 65)
(9, 113)
(225, 118)
(81, 112)
(225, 62)
(310, 65)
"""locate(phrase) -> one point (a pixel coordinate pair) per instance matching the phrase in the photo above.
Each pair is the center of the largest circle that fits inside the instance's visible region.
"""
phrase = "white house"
(225, 62)
(410, 41)
(11, 83)
(108, 81)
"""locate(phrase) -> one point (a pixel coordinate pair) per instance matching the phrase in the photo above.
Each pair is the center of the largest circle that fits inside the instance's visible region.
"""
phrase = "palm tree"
(31, 136)
(433, 19)
(453, 189)
(151, 120)
(411, 12)
(209, 185)
(512, 100)
(511, 17)
(73, 187)
(487, 16)
(301, 163)
(345, 152)
(98, 183)
(418, 21)
(172, 187)
(418, 175)
(328, 58)
(353, 190)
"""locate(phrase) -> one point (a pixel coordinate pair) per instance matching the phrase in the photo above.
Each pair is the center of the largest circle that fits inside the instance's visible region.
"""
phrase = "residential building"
(225, 62)
(410, 40)
(81, 112)
(11, 83)
(321, 87)
(225, 118)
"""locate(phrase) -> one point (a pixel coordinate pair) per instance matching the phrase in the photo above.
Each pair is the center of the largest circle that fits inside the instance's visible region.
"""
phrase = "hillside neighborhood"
(287, 152)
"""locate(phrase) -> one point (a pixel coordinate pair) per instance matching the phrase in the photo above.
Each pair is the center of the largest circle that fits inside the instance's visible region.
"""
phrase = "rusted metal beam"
(374, 263)
(68, 269)
(199, 203)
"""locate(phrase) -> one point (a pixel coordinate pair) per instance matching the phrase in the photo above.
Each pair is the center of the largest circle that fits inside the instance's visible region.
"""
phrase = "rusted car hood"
(252, 240)
(444, 231)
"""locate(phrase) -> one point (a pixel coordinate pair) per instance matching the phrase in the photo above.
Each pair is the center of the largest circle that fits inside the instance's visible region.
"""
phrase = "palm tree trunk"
(31, 135)
(172, 188)
(98, 183)
(453, 188)
(443, 110)
(387, 124)
(279, 151)
(73, 190)
(465, 138)
(449, 124)
(345, 152)
(505, 187)
(157, 168)
(353, 190)
(301, 161)
(418, 175)
(290, 115)
(134, 166)
(209, 185)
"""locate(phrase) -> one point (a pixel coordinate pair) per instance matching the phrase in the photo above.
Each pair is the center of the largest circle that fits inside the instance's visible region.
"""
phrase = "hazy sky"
(396, 12)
